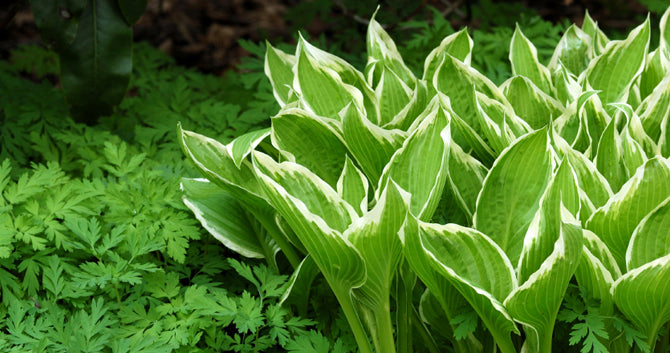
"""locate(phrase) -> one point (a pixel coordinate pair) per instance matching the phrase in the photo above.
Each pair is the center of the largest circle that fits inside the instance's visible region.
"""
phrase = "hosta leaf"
(352, 186)
(382, 49)
(615, 222)
(279, 70)
(523, 57)
(656, 68)
(375, 236)
(535, 303)
(465, 135)
(215, 161)
(609, 157)
(416, 105)
(348, 74)
(545, 228)
(301, 186)
(241, 146)
(307, 140)
(643, 295)
(622, 61)
(458, 45)
(593, 274)
(432, 312)
(466, 176)
(593, 118)
(299, 285)
(321, 88)
(573, 51)
(598, 38)
(654, 111)
(512, 191)
(664, 46)
(371, 145)
(393, 95)
(452, 76)
(225, 219)
(420, 165)
(503, 116)
(317, 215)
(566, 87)
(650, 238)
(473, 264)
(530, 103)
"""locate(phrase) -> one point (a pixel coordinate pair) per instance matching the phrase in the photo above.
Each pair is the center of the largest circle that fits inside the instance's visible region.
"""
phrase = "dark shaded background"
(205, 33)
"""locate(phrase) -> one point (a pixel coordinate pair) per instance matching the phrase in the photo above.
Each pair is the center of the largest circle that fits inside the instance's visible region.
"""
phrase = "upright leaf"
(643, 295)
(531, 104)
(458, 45)
(512, 191)
(650, 238)
(614, 71)
(523, 57)
(609, 157)
(309, 141)
(382, 49)
(473, 264)
(279, 70)
(572, 51)
(371, 145)
(615, 222)
(352, 186)
(420, 165)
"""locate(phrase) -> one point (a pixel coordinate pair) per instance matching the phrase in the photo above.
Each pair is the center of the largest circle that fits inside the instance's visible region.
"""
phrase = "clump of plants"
(447, 206)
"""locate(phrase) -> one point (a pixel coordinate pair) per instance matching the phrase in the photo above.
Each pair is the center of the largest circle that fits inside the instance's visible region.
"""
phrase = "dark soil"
(205, 33)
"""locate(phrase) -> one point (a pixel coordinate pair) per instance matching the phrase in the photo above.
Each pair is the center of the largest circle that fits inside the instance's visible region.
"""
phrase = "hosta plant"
(496, 198)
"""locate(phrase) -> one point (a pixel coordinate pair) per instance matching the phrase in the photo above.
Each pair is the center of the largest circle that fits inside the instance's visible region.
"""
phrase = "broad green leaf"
(609, 157)
(643, 295)
(97, 64)
(566, 87)
(655, 109)
(632, 152)
(473, 264)
(58, 20)
(664, 46)
(523, 57)
(352, 186)
(573, 51)
(458, 45)
(512, 191)
(318, 216)
(465, 176)
(241, 146)
(465, 135)
(650, 238)
(370, 145)
(309, 141)
(452, 76)
(615, 222)
(432, 312)
(413, 109)
(503, 116)
(225, 219)
(420, 165)
(530, 103)
(614, 71)
(593, 117)
(299, 285)
(382, 49)
(347, 74)
(594, 188)
(598, 38)
(655, 70)
(215, 162)
(314, 81)
(279, 70)
(375, 236)
(303, 187)
(393, 95)
(535, 303)
(594, 273)
(544, 230)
